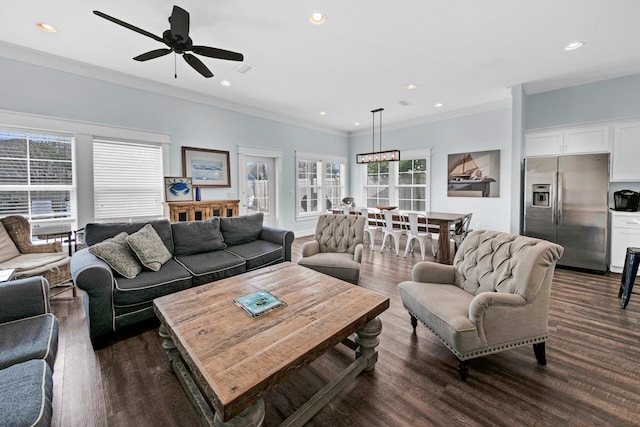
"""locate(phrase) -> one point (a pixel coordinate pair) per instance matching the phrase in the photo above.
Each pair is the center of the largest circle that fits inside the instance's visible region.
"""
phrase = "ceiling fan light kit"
(378, 156)
(177, 40)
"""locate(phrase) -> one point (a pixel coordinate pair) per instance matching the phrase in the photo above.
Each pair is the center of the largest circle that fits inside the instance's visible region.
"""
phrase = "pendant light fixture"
(377, 156)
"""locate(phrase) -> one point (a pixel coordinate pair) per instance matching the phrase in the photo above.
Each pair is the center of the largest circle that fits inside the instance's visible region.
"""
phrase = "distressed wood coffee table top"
(237, 359)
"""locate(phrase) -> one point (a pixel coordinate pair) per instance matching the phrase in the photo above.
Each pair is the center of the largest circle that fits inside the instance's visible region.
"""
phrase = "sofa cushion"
(258, 253)
(8, 248)
(95, 233)
(118, 254)
(241, 229)
(26, 392)
(29, 338)
(197, 236)
(210, 266)
(147, 285)
(149, 248)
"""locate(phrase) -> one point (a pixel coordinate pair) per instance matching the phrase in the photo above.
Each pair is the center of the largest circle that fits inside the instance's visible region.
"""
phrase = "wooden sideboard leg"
(367, 339)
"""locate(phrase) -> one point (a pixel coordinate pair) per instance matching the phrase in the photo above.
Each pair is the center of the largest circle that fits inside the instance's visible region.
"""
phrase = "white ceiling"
(463, 53)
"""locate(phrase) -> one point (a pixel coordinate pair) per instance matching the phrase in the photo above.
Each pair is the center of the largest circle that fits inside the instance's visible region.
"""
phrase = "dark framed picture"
(474, 174)
(178, 188)
(206, 168)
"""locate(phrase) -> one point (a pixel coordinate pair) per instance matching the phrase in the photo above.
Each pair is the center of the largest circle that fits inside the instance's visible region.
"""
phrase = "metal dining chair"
(457, 232)
(416, 235)
(393, 233)
(370, 230)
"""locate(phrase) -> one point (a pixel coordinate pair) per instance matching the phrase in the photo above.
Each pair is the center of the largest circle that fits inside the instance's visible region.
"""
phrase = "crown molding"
(34, 57)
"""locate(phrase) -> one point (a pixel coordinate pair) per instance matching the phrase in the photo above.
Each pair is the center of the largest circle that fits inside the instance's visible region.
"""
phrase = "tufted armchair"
(494, 297)
(337, 248)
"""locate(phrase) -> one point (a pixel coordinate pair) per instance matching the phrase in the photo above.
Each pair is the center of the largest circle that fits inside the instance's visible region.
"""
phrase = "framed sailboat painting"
(474, 174)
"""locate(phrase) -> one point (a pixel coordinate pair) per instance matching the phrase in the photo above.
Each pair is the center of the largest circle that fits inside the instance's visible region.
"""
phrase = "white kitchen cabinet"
(571, 140)
(625, 233)
(626, 152)
(543, 143)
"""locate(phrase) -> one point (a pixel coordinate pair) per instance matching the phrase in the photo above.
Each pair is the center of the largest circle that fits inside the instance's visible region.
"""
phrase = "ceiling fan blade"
(197, 65)
(179, 21)
(213, 52)
(152, 54)
(129, 26)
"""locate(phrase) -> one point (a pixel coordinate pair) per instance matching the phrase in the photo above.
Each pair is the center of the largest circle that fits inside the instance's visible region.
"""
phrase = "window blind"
(127, 180)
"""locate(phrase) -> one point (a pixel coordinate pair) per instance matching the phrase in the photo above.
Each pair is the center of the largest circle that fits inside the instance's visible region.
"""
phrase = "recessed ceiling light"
(225, 83)
(317, 18)
(574, 46)
(411, 86)
(46, 27)
(357, 123)
(438, 105)
(323, 113)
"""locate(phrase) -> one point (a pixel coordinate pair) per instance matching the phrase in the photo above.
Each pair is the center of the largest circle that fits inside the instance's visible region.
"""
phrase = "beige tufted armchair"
(337, 248)
(494, 297)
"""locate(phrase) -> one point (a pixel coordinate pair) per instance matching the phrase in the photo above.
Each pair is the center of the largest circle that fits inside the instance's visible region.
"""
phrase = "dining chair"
(370, 231)
(416, 235)
(393, 233)
(346, 210)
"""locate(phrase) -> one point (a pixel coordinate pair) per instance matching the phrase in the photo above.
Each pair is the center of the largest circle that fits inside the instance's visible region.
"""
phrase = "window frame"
(322, 186)
(394, 185)
(56, 218)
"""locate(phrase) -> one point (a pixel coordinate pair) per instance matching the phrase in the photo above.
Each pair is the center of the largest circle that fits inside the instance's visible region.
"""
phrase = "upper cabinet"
(626, 152)
(574, 140)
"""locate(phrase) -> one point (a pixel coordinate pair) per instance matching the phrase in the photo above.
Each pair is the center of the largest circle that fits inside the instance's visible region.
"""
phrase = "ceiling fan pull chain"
(175, 66)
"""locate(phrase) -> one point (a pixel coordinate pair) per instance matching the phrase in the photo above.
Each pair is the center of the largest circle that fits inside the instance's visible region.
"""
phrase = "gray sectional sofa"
(28, 347)
(120, 287)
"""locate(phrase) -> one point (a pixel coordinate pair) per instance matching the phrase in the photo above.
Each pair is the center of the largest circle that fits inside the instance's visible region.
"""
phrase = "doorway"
(258, 185)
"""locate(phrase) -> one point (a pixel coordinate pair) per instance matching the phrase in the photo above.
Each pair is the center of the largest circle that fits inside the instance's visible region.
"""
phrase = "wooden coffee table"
(226, 359)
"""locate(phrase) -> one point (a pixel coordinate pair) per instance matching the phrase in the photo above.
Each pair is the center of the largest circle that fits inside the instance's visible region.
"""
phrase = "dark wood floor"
(592, 376)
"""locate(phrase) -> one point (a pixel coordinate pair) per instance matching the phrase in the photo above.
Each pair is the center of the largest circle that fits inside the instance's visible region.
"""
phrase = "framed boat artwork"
(474, 174)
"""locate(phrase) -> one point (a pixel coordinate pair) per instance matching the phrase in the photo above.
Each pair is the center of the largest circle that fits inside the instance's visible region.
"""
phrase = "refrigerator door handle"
(560, 201)
(554, 204)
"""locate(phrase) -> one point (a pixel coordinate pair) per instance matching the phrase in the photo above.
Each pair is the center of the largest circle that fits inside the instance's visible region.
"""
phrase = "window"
(320, 183)
(404, 184)
(127, 181)
(36, 176)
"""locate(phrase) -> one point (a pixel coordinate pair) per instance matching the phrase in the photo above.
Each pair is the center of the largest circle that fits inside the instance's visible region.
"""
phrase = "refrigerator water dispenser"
(541, 195)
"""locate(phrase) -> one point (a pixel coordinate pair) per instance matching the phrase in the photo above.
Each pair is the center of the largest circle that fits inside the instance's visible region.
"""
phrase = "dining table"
(444, 221)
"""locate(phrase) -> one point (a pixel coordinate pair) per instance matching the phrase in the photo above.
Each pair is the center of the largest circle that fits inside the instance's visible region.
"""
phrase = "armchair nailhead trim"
(485, 351)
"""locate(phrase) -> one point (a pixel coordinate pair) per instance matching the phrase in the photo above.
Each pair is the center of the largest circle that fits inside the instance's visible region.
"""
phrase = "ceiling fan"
(177, 39)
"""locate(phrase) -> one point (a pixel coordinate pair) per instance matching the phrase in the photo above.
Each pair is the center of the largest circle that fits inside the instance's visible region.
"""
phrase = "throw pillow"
(241, 229)
(197, 237)
(117, 253)
(8, 248)
(149, 248)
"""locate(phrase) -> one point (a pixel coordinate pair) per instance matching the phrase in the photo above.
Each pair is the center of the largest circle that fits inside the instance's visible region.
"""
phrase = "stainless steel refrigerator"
(566, 202)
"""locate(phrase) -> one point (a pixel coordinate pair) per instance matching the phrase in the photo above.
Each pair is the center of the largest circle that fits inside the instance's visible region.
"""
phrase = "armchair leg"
(463, 369)
(414, 322)
(538, 350)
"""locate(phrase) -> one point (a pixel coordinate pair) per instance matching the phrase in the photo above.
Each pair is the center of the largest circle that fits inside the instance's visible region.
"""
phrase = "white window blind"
(127, 180)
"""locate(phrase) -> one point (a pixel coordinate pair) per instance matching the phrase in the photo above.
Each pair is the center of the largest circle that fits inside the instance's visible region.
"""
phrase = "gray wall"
(38, 90)
(475, 132)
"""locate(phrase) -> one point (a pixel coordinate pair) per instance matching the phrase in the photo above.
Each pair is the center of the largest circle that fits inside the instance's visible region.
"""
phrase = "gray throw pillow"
(117, 253)
(197, 237)
(241, 229)
(148, 247)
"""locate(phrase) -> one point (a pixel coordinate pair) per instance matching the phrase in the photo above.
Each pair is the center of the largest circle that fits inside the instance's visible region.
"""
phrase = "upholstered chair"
(29, 260)
(337, 247)
(494, 297)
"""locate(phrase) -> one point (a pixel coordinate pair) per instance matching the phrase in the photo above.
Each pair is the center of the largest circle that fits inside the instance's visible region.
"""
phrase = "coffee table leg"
(367, 340)
(168, 346)
(253, 416)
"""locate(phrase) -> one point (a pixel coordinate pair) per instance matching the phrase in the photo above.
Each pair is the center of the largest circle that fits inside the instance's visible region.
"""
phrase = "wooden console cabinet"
(200, 211)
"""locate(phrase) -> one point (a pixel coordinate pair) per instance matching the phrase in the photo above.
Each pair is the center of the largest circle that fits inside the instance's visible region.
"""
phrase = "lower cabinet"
(625, 233)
